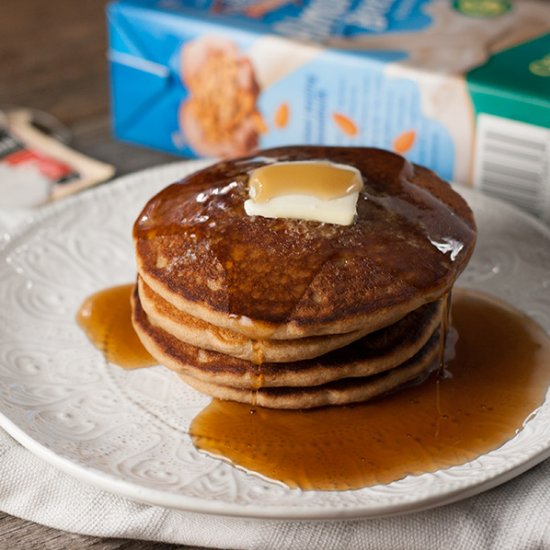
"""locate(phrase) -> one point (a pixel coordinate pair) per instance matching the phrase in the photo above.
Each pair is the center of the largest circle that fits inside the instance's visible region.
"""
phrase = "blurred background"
(53, 57)
(460, 86)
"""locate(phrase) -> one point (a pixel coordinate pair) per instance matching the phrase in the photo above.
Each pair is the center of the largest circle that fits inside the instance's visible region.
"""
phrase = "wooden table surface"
(53, 57)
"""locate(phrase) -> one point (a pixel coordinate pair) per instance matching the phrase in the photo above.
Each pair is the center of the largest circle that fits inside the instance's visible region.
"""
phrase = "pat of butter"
(308, 190)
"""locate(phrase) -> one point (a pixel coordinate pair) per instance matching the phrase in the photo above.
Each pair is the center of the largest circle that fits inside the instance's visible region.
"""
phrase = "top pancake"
(283, 278)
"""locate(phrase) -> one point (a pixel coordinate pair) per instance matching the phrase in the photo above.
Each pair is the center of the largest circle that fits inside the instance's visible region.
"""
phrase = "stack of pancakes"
(288, 313)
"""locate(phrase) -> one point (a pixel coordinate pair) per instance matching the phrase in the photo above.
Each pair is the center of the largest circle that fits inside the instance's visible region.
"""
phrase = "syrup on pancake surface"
(285, 278)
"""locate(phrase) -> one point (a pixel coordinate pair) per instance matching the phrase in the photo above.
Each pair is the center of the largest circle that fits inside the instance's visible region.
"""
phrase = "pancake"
(201, 334)
(374, 353)
(340, 392)
(282, 279)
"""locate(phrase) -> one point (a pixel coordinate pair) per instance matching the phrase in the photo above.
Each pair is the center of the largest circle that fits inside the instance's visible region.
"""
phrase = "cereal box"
(460, 86)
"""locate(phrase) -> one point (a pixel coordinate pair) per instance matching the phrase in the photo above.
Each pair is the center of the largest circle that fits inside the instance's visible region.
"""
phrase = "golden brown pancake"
(285, 279)
(289, 313)
(201, 334)
(340, 392)
(377, 352)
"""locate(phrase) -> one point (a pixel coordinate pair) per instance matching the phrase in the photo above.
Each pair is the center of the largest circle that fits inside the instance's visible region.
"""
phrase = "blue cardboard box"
(435, 80)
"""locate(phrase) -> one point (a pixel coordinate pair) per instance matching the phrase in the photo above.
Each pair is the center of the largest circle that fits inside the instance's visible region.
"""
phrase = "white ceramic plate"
(124, 431)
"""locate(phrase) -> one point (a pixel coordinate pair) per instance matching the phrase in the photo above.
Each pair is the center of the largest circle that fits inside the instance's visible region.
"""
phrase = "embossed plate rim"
(401, 501)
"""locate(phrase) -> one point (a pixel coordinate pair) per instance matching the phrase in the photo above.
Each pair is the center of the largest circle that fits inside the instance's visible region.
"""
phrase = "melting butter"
(322, 179)
(309, 190)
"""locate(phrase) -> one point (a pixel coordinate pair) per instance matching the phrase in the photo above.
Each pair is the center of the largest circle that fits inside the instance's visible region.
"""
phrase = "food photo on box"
(319, 317)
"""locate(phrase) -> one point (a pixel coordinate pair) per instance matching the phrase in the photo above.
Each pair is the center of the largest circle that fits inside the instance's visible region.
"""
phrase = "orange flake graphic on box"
(260, 123)
(282, 115)
(404, 142)
(259, 9)
(220, 117)
(345, 124)
(255, 10)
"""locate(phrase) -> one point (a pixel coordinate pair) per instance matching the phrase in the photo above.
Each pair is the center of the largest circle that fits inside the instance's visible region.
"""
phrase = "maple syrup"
(106, 317)
(498, 377)
(444, 330)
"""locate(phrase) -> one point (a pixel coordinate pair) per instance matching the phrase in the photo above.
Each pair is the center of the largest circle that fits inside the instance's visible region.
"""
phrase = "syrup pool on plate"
(105, 317)
(497, 379)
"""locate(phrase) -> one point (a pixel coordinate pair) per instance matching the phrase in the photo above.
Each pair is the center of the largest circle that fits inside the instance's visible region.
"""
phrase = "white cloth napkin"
(513, 516)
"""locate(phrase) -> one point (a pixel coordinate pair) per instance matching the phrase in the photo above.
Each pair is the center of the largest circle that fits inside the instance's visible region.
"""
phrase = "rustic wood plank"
(53, 57)
(19, 534)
